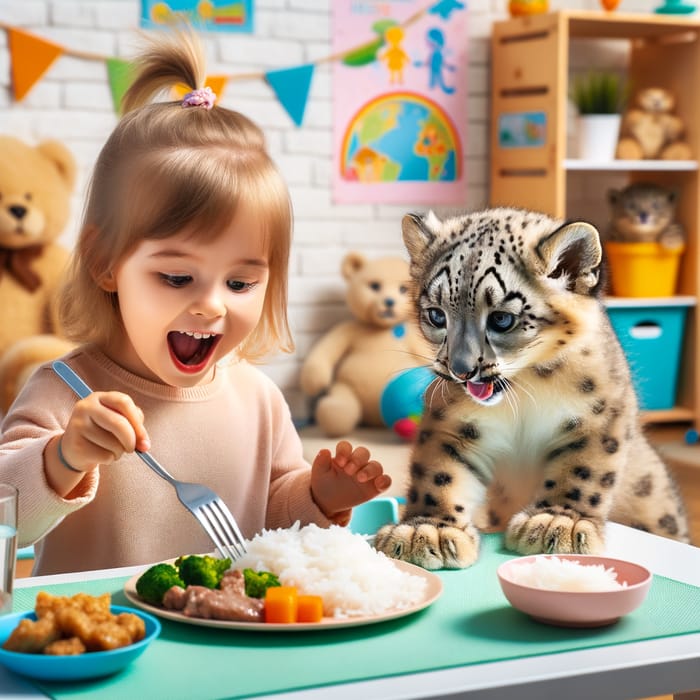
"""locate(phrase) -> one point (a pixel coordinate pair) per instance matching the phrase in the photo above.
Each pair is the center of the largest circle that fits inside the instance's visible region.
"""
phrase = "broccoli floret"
(197, 570)
(154, 582)
(257, 582)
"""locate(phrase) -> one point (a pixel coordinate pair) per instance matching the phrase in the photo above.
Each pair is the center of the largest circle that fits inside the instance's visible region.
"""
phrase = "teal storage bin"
(652, 339)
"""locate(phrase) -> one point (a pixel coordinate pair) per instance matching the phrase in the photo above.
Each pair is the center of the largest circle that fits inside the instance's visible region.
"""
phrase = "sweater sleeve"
(38, 414)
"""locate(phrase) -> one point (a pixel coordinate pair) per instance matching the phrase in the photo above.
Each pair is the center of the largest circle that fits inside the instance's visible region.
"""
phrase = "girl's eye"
(238, 286)
(500, 321)
(176, 280)
(436, 317)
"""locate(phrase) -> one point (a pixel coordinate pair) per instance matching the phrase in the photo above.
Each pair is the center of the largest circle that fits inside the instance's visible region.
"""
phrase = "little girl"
(178, 281)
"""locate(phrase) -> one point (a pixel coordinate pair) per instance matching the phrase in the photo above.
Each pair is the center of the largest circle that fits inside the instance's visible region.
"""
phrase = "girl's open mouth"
(191, 350)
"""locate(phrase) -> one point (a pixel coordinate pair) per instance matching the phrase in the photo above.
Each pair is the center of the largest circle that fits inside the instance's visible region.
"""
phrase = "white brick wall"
(72, 103)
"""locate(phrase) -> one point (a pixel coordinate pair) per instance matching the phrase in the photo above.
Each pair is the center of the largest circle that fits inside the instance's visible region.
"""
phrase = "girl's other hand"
(344, 480)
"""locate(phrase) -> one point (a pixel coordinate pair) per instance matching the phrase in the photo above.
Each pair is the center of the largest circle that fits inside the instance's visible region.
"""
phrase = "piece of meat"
(31, 636)
(175, 598)
(233, 581)
(65, 647)
(214, 604)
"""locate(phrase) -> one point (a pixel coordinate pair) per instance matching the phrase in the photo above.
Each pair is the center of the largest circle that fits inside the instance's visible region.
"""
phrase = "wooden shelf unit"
(530, 76)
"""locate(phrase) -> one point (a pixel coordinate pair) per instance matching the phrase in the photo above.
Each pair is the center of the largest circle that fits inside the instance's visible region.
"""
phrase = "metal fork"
(211, 512)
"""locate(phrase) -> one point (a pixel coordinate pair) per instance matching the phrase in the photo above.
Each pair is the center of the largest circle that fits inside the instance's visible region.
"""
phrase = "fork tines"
(222, 528)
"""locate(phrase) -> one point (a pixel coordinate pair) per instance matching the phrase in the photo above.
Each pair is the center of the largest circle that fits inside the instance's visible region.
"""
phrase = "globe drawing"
(398, 137)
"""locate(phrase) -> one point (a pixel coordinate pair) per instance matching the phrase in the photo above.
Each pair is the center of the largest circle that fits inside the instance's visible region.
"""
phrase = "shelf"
(631, 165)
(624, 302)
(668, 415)
(530, 74)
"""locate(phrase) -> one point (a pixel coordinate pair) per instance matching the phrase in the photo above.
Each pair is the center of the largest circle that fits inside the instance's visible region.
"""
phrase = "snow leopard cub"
(532, 423)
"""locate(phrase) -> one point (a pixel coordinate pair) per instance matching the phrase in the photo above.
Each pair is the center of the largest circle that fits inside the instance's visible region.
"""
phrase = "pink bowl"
(578, 609)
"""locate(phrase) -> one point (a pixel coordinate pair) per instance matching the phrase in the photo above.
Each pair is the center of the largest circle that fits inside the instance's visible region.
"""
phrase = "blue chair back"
(369, 517)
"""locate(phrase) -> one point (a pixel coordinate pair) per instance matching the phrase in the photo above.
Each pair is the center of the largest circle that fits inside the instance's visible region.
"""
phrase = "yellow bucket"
(643, 269)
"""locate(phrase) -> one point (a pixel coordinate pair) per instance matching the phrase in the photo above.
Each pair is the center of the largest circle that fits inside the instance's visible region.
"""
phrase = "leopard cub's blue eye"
(500, 321)
(436, 317)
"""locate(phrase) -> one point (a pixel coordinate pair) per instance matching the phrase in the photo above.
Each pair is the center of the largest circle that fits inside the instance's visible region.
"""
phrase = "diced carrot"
(310, 608)
(281, 604)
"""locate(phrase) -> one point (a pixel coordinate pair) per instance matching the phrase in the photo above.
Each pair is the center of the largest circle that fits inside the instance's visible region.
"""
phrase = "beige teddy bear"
(36, 183)
(651, 130)
(349, 367)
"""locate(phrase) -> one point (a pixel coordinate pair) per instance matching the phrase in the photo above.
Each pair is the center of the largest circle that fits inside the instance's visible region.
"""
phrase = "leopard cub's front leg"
(576, 493)
(437, 530)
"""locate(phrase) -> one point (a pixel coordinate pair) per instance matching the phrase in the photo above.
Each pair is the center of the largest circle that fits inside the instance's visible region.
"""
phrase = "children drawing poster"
(399, 101)
(207, 15)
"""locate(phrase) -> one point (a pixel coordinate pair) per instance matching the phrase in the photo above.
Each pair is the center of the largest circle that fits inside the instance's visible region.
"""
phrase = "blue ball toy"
(401, 402)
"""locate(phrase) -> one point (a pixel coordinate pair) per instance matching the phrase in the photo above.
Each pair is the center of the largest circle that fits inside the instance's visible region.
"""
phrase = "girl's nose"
(209, 304)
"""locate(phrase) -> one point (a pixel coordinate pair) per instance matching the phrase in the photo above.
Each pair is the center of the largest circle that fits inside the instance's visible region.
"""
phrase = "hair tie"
(202, 97)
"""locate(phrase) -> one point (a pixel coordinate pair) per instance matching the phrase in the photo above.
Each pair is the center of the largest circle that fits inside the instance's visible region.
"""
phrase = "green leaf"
(599, 93)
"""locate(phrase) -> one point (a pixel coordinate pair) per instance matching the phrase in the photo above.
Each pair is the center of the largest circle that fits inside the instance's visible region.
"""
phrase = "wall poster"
(205, 15)
(399, 101)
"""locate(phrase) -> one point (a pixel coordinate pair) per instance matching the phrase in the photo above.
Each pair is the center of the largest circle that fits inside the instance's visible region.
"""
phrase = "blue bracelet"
(63, 459)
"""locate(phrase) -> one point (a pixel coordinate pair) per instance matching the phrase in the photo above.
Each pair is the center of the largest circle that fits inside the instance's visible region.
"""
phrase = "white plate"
(432, 592)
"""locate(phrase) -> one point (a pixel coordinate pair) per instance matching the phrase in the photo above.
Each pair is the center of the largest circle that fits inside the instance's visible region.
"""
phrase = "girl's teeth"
(199, 336)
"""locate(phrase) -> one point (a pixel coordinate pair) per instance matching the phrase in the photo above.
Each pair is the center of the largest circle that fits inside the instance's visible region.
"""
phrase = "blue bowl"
(80, 666)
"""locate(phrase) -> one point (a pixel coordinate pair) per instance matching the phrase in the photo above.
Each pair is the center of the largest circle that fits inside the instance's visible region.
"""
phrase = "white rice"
(352, 577)
(555, 574)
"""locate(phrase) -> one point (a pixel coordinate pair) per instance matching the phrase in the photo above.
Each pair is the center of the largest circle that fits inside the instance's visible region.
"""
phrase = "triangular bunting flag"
(119, 75)
(291, 86)
(216, 82)
(31, 57)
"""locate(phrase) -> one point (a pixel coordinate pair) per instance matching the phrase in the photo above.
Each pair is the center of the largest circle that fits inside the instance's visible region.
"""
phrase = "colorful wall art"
(399, 101)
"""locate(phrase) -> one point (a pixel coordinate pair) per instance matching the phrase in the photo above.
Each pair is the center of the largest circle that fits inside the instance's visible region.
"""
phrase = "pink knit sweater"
(235, 435)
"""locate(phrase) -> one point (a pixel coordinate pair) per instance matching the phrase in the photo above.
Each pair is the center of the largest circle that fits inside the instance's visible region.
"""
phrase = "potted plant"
(599, 98)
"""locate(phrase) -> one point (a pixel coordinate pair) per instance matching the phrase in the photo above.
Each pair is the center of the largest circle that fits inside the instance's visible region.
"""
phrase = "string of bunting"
(31, 56)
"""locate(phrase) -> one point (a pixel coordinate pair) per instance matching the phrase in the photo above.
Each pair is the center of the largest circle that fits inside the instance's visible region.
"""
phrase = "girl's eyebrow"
(174, 253)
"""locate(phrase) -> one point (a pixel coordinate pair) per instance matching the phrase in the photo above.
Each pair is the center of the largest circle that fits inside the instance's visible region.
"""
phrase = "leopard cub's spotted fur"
(532, 423)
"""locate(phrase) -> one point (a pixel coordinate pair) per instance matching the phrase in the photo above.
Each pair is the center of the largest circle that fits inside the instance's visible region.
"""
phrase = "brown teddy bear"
(36, 183)
(350, 366)
(651, 130)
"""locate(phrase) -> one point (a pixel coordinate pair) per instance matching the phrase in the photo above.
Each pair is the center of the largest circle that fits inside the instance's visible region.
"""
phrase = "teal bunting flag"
(291, 85)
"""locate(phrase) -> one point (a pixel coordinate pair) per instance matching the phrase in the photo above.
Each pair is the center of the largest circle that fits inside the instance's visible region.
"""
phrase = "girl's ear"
(104, 280)
(107, 282)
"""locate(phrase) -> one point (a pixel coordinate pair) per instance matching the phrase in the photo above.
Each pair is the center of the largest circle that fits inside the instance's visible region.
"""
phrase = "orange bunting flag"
(31, 57)
(216, 82)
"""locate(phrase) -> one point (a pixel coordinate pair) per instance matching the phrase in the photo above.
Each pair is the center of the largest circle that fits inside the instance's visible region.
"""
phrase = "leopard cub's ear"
(419, 232)
(572, 255)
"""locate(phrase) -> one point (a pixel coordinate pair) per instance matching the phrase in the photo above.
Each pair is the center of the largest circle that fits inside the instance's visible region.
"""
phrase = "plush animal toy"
(348, 368)
(36, 183)
(644, 212)
(651, 130)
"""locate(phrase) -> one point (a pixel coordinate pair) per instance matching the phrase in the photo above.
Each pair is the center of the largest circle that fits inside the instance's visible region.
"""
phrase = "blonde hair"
(164, 168)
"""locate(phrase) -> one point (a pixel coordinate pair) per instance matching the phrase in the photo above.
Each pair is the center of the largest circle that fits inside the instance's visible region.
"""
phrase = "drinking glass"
(8, 544)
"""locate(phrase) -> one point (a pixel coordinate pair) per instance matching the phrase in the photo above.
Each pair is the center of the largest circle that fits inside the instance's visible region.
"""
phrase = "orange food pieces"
(309, 608)
(283, 604)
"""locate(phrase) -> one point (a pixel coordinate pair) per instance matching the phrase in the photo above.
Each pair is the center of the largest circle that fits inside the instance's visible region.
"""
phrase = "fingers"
(349, 460)
(102, 427)
(129, 420)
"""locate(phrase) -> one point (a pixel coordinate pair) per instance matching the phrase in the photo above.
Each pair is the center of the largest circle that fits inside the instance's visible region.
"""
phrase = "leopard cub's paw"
(554, 531)
(429, 543)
